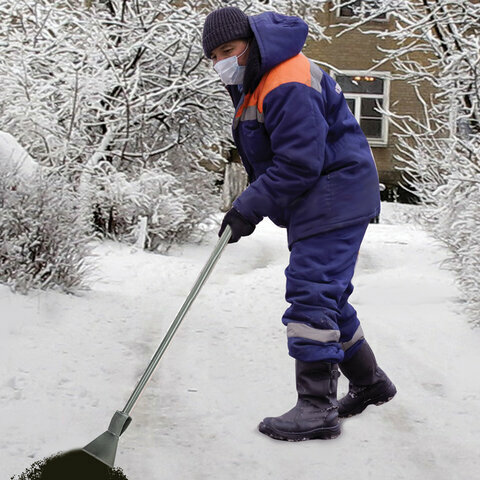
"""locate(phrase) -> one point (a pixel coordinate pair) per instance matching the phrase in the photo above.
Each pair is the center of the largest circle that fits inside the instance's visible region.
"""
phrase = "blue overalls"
(321, 324)
(311, 171)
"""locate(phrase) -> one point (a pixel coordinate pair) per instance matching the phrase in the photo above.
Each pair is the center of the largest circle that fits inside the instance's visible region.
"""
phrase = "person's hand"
(240, 226)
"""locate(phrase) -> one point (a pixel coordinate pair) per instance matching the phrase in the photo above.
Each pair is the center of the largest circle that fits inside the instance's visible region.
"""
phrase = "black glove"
(240, 226)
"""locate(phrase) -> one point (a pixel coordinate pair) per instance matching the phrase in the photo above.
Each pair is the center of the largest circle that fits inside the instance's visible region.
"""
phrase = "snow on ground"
(68, 362)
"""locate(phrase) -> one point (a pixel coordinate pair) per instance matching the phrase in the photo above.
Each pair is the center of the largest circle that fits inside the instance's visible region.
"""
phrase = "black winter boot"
(369, 385)
(315, 414)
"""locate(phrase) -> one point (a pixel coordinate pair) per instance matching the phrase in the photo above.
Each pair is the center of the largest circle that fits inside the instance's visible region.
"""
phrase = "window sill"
(377, 143)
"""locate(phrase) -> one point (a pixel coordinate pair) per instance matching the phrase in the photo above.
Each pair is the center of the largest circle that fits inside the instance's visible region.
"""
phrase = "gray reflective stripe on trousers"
(358, 335)
(249, 113)
(304, 331)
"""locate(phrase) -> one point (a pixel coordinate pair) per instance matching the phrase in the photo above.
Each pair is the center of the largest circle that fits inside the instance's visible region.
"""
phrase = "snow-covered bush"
(44, 241)
(458, 227)
(161, 198)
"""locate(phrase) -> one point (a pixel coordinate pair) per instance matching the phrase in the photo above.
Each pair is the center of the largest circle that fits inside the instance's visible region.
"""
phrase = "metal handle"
(202, 278)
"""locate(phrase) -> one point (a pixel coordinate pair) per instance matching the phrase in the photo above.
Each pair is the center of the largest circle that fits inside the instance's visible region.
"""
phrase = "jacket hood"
(279, 37)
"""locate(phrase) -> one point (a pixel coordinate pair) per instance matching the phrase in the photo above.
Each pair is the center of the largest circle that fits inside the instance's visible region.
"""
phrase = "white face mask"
(231, 73)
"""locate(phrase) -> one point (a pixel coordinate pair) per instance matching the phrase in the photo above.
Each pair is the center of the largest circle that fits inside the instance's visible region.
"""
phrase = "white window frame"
(338, 10)
(386, 77)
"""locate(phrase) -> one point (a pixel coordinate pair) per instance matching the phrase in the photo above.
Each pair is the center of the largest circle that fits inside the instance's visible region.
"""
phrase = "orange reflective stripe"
(295, 69)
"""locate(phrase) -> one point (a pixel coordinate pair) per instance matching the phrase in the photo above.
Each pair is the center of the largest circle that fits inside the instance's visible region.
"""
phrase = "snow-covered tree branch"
(117, 97)
(118, 82)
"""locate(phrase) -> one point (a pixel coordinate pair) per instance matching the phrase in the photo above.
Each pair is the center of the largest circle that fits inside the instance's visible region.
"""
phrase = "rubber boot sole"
(379, 400)
(325, 433)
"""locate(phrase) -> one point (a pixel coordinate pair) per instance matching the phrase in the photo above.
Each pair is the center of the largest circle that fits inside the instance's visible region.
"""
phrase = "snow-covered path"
(68, 362)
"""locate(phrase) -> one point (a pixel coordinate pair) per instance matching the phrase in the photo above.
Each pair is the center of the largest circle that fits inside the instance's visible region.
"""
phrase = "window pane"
(371, 128)
(351, 104)
(348, 11)
(360, 84)
(369, 107)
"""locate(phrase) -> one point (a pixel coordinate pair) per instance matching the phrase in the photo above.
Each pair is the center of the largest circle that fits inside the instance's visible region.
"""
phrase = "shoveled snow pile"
(68, 362)
(13, 155)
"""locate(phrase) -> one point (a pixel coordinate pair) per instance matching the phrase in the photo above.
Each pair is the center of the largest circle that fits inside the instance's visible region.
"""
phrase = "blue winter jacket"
(309, 164)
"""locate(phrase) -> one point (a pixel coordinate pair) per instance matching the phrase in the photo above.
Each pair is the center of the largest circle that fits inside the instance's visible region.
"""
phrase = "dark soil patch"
(74, 465)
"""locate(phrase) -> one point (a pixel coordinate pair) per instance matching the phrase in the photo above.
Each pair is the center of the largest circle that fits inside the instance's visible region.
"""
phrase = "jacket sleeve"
(297, 130)
(235, 94)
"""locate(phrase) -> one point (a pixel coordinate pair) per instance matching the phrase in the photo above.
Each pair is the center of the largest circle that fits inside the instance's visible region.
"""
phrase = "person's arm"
(297, 131)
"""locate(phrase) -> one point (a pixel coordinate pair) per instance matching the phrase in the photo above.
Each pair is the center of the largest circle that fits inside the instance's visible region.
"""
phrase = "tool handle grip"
(202, 278)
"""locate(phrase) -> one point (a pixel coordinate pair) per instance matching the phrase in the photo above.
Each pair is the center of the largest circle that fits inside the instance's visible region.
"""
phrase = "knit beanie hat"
(224, 25)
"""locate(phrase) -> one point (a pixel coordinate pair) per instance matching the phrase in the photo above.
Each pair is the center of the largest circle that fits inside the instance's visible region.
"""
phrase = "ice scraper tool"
(96, 460)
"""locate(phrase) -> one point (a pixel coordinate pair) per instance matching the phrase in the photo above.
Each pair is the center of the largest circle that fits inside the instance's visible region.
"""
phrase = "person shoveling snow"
(311, 170)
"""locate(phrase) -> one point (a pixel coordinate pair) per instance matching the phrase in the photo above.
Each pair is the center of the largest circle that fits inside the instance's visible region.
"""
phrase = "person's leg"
(368, 383)
(318, 278)
(351, 333)
(315, 414)
(320, 321)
